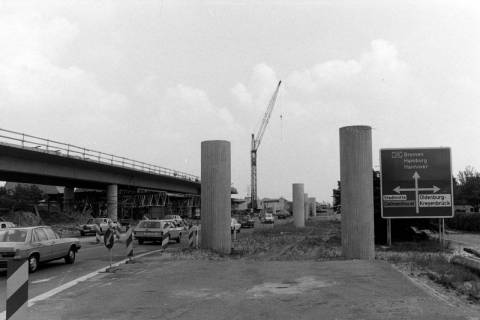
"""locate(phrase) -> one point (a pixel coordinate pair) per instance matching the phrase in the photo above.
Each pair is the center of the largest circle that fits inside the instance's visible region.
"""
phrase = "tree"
(336, 196)
(467, 187)
(22, 198)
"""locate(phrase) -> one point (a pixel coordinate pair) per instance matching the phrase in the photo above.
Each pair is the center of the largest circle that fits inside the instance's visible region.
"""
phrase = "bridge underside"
(24, 165)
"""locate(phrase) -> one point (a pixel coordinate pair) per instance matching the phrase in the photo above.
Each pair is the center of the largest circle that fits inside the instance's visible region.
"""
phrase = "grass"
(426, 258)
(319, 240)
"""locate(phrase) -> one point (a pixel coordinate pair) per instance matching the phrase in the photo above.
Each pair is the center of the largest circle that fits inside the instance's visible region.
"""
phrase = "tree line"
(21, 198)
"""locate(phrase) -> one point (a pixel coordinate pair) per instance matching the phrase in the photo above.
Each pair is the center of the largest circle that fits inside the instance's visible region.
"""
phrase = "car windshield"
(13, 235)
(98, 220)
(150, 224)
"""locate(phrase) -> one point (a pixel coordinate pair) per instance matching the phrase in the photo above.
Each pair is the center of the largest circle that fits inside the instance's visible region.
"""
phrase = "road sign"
(108, 238)
(416, 183)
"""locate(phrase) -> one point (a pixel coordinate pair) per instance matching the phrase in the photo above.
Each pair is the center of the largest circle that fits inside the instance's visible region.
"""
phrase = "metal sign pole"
(440, 231)
(389, 232)
(443, 232)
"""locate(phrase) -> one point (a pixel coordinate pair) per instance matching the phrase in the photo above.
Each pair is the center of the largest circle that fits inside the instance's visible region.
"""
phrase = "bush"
(465, 221)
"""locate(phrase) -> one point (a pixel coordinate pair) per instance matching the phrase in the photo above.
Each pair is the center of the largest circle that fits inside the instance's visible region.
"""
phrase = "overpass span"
(26, 158)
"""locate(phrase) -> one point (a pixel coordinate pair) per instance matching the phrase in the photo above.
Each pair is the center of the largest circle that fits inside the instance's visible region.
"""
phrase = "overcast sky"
(152, 79)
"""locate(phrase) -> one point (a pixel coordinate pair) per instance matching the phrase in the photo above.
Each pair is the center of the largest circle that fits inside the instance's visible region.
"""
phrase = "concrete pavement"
(181, 286)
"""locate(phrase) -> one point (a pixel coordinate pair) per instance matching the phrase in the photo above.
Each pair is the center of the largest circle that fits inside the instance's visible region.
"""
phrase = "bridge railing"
(30, 142)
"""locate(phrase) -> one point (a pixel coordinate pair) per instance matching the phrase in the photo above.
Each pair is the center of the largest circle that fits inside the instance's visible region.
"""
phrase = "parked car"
(268, 218)
(247, 222)
(175, 217)
(283, 214)
(178, 220)
(234, 225)
(102, 223)
(37, 244)
(155, 230)
(6, 225)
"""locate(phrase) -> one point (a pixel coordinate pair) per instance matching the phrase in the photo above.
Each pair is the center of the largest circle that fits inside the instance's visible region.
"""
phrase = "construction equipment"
(256, 143)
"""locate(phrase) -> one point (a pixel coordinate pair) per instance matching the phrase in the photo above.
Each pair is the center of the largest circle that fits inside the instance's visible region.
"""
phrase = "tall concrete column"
(357, 192)
(112, 201)
(313, 206)
(306, 206)
(68, 199)
(215, 196)
(298, 205)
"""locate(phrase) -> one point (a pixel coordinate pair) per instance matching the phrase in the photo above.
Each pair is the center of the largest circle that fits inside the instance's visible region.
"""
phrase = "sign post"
(416, 183)
(109, 240)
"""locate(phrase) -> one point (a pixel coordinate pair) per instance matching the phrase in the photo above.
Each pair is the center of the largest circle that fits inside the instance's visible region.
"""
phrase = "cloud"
(240, 92)
(41, 94)
(314, 102)
(29, 33)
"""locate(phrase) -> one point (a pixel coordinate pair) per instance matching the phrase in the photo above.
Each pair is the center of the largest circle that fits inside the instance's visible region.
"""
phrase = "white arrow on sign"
(416, 176)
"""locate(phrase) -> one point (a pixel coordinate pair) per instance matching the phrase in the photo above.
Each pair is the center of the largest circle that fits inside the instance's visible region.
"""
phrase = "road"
(464, 239)
(91, 257)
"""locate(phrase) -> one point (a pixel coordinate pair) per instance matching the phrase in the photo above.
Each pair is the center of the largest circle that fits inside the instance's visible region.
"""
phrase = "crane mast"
(256, 140)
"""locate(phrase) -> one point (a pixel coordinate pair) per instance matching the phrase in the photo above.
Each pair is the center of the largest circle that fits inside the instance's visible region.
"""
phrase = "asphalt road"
(91, 257)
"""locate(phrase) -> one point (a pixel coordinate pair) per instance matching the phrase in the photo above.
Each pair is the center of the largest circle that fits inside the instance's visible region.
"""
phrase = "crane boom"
(266, 117)
(256, 143)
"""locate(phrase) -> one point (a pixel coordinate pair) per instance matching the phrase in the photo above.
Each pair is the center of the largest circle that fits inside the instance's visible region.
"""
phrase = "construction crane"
(256, 140)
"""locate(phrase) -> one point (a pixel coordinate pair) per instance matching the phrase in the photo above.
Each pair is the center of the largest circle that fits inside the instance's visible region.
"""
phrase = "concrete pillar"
(112, 201)
(313, 206)
(68, 199)
(298, 205)
(306, 206)
(215, 196)
(357, 192)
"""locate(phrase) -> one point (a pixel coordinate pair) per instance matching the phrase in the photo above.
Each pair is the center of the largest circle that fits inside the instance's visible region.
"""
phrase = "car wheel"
(82, 233)
(140, 241)
(33, 263)
(70, 257)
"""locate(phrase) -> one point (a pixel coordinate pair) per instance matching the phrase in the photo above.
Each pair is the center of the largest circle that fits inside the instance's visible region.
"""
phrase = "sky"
(151, 80)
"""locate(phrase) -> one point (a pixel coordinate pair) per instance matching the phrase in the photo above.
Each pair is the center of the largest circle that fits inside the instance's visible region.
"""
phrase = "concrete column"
(68, 199)
(298, 205)
(357, 192)
(306, 206)
(112, 201)
(313, 206)
(215, 196)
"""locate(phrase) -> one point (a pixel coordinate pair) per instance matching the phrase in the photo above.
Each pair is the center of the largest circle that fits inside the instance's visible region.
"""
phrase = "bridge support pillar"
(306, 206)
(112, 201)
(298, 205)
(357, 192)
(68, 199)
(215, 196)
(313, 206)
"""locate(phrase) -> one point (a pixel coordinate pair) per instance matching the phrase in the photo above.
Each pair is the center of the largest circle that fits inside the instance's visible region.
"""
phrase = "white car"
(91, 226)
(268, 218)
(6, 225)
(155, 230)
(235, 225)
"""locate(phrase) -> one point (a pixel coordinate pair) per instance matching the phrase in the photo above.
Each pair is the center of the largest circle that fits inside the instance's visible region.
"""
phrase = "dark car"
(247, 222)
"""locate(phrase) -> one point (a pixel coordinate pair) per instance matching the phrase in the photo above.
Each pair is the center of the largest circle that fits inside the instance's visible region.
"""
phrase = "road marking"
(74, 282)
(42, 280)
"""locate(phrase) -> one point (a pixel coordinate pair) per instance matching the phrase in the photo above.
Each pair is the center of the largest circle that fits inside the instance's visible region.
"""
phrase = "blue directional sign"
(416, 183)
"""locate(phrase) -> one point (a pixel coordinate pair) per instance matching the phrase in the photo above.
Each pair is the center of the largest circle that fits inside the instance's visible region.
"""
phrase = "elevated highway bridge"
(30, 159)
